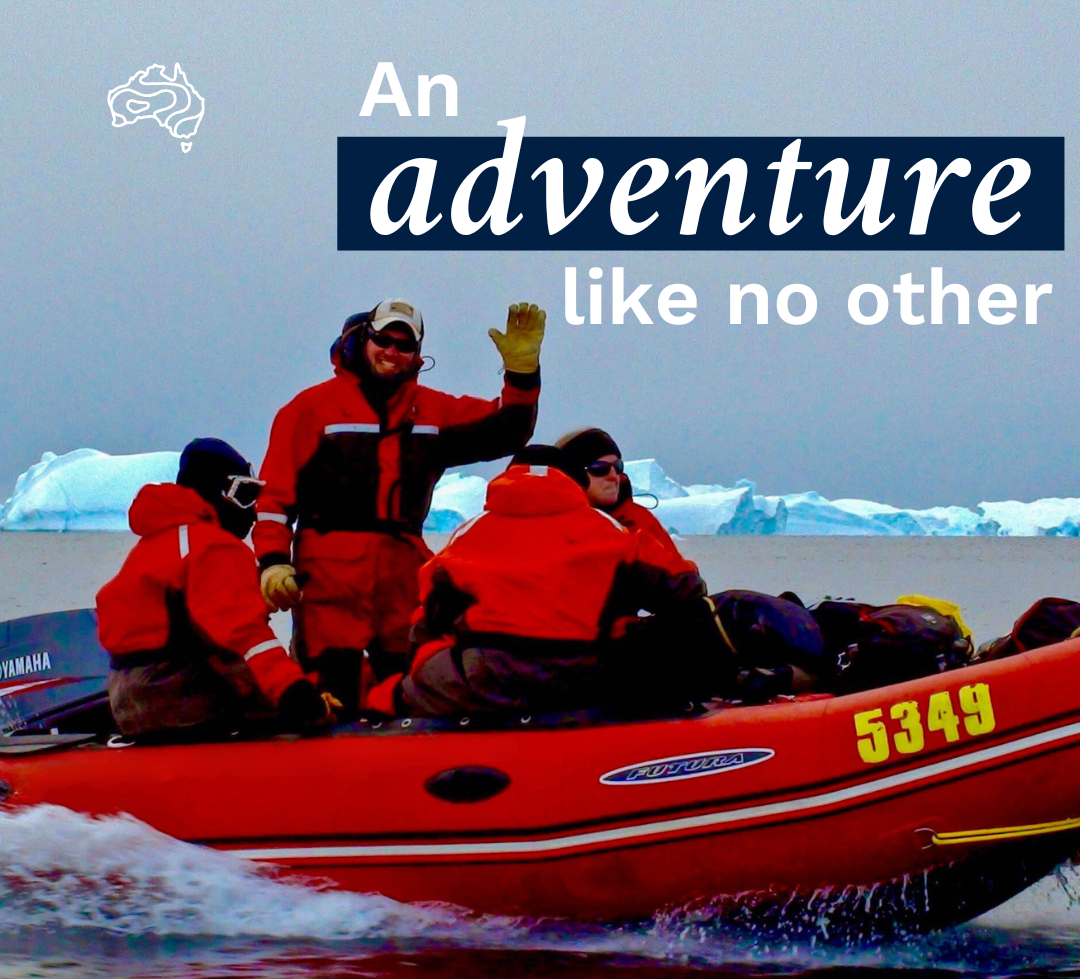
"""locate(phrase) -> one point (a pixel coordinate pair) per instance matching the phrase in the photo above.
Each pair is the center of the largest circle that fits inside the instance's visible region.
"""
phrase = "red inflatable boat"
(919, 805)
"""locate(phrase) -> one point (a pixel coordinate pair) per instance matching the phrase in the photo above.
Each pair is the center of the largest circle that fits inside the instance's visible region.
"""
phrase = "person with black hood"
(352, 464)
(593, 458)
(191, 650)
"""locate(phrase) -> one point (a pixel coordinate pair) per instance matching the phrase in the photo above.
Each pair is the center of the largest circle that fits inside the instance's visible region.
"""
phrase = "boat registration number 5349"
(907, 732)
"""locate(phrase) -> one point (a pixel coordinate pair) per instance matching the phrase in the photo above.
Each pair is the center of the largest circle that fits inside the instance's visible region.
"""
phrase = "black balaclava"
(548, 455)
(587, 446)
(349, 349)
(208, 466)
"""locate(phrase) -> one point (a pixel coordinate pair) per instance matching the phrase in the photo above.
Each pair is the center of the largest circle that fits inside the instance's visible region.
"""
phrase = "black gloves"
(302, 707)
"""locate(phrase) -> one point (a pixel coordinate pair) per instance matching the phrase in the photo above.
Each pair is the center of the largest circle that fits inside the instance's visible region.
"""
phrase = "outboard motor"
(53, 675)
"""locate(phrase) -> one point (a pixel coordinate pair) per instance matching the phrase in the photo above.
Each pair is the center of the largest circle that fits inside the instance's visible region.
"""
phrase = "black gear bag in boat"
(770, 636)
(838, 620)
(896, 643)
(1048, 621)
(768, 632)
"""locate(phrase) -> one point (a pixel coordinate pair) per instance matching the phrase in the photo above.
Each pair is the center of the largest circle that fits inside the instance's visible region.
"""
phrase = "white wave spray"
(61, 868)
(113, 875)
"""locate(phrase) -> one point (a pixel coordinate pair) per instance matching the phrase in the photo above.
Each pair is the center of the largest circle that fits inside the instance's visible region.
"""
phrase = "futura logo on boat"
(680, 767)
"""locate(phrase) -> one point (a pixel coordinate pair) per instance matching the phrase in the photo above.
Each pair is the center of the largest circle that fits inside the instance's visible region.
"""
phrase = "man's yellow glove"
(279, 586)
(332, 706)
(520, 344)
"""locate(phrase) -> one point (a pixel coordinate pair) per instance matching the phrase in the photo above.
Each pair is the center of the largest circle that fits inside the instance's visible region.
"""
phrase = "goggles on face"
(600, 469)
(243, 491)
(405, 345)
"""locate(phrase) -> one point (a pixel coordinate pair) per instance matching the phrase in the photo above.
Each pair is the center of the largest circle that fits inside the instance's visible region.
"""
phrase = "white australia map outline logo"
(151, 94)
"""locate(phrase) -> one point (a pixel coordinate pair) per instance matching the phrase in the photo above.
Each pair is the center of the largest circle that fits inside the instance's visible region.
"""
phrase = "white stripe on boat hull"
(645, 831)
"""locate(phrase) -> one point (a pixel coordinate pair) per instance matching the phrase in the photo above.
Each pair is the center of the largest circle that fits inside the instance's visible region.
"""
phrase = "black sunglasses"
(405, 345)
(601, 469)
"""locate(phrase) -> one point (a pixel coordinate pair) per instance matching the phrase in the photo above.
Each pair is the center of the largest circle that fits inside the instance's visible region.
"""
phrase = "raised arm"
(478, 431)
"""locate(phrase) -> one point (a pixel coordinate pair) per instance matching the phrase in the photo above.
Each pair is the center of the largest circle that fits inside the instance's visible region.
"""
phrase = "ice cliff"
(89, 490)
(83, 490)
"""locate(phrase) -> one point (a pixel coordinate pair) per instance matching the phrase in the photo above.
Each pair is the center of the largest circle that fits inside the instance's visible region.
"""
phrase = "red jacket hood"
(161, 506)
(534, 491)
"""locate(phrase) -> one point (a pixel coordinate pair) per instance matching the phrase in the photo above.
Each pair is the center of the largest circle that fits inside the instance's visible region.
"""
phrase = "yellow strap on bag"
(938, 605)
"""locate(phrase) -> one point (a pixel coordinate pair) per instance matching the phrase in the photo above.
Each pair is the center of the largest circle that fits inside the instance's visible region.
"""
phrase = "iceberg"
(83, 490)
(648, 479)
(1044, 518)
(90, 490)
(812, 514)
(704, 509)
(457, 498)
(722, 511)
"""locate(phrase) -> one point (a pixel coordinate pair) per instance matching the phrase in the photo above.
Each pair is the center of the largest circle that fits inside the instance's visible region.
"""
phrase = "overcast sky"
(151, 296)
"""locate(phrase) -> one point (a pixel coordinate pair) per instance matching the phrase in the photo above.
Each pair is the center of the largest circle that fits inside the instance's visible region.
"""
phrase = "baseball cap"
(397, 311)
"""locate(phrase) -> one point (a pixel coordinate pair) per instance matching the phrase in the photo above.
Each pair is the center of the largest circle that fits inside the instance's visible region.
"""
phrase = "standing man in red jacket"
(350, 470)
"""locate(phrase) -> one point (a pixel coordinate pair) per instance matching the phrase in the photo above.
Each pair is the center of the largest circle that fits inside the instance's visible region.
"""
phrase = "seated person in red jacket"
(519, 607)
(592, 455)
(192, 653)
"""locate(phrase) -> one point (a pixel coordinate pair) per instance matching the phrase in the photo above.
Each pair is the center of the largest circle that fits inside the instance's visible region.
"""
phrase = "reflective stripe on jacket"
(334, 462)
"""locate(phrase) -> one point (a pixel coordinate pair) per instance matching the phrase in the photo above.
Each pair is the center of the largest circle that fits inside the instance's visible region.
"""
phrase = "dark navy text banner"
(700, 193)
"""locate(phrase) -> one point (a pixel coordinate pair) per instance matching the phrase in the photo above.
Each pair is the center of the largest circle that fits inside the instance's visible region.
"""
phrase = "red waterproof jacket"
(540, 563)
(334, 462)
(519, 605)
(186, 567)
(635, 517)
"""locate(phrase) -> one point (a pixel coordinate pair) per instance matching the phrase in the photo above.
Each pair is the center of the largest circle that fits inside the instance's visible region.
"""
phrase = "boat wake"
(93, 881)
(63, 869)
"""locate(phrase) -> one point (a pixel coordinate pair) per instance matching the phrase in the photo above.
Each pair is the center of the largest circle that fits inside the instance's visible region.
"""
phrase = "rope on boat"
(1003, 832)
